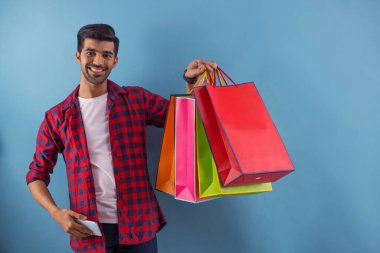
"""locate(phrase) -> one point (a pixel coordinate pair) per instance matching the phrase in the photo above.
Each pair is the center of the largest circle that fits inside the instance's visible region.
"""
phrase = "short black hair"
(98, 32)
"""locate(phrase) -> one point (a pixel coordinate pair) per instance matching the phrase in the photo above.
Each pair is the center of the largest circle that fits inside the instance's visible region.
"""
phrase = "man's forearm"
(42, 195)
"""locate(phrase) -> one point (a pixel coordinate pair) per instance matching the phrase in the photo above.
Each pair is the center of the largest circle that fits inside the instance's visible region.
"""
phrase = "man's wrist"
(189, 80)
(53, 211)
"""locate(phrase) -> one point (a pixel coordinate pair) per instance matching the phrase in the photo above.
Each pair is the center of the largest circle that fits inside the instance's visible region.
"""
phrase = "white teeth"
(96, 70)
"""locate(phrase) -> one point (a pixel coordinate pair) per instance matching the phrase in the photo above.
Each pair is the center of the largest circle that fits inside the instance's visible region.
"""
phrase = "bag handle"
(205, 75)
(200, 80)
(211, 78)
(222, 81)
(223, 75)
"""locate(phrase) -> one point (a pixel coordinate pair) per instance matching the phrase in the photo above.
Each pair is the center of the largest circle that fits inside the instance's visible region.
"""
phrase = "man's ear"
(77, 57)
(116, 61)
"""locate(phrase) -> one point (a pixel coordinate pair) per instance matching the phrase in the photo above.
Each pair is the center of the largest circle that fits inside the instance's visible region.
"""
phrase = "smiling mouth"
(96, 70)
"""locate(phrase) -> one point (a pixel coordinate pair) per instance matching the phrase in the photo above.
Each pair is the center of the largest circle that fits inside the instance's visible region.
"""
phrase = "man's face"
(97, 59)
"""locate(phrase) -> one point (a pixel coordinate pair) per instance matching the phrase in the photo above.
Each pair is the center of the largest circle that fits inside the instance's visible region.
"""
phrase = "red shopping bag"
(245, 143)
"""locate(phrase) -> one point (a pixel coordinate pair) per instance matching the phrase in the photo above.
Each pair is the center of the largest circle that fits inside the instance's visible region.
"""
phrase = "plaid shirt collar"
(112, 88)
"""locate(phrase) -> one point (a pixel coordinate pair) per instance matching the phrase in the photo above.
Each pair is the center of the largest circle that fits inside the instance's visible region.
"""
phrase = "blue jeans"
(111, 232)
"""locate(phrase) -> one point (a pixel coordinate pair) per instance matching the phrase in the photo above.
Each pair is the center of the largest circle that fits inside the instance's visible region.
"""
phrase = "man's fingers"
(209, 67)
(196, 63)
(78, 230)
(202, 67)
(193, 64)
(212, 64)
(81, 228)
(200, 62)
(198, 66)
(77, 233)
(73, 233)
(77, 215)
(191, 73)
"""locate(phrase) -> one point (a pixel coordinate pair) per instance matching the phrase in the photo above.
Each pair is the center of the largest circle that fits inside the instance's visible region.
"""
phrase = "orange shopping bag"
(165, 171)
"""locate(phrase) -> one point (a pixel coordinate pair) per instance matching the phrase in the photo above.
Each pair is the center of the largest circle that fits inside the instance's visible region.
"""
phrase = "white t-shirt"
(95, 119)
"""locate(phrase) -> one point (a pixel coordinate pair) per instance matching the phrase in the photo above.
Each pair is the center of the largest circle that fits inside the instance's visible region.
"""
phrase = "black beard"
(94, 80)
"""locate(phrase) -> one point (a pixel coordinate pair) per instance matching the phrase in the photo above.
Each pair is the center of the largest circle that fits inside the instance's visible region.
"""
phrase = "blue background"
(315, 63)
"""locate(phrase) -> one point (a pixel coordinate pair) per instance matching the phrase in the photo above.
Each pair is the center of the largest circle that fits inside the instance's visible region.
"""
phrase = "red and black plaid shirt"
(130, 110)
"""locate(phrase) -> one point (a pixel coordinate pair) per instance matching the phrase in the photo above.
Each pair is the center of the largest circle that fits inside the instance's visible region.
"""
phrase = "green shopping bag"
(209, 184)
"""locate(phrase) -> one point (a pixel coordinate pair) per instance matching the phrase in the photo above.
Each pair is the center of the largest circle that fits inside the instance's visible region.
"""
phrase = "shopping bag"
(183, 183)
(186, 178)
(209, 184)
(245, 143)
(165, 170)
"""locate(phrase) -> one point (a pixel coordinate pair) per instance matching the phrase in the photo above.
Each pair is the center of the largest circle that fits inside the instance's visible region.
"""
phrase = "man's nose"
(98, 60)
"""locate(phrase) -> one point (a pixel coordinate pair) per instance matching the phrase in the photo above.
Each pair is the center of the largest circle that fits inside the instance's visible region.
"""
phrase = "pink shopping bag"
(186, 184)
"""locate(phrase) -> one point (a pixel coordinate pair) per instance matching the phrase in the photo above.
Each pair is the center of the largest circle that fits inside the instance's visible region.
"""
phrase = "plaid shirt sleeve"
(156, 108)
(48, 146)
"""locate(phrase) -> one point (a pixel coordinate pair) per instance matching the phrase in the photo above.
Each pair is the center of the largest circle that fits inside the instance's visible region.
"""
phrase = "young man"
(100, 129)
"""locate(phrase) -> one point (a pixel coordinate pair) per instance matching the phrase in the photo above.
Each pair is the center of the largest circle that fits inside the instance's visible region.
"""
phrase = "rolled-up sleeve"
(48, 145)
(156, 108)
